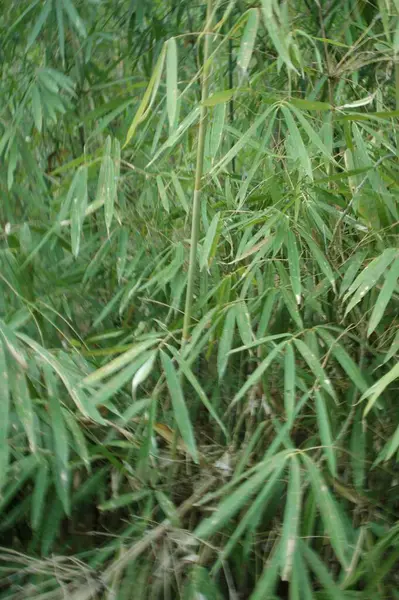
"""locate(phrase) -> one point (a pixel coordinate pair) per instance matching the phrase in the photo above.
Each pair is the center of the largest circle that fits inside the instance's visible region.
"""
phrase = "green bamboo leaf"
(243, 320)
(324, 427)
(248, 41)
(180, 411)
(117, 363)
(255, 511)
(235, 500)
(384, 296)
(180, 192)
(60, 437)
(275, 32)
(42, 18)
(267, 311)
(244, 139)
(320, 570)
(216, 133)
(123, 500)
(320, 259)
(293, 265)
(200, 586)
(176, 134)
(315, 367)
(74, 17)
(11, 343)
(268, 580)
(148, 97)
(4, 417)
(392, 445)
(162, 193)
(171, 81)
(219, 98)
(344, 359)
(298, 142)
(211, 236)
(369, 277)
(289, 536)
(23, 405)
(80, 445)
(40, 490)
(330, 515)
(352, 267)
(291, 305)
(257, 374)
(197, 387)
(305, 104)
(313, 136)
(289, 383)
(143, 372)
(358, 452)
(78, 193)
(394, 349)
(226, 341)
(375, 391)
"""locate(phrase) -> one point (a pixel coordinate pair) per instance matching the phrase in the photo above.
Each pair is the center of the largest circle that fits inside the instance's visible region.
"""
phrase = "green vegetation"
(199, 299)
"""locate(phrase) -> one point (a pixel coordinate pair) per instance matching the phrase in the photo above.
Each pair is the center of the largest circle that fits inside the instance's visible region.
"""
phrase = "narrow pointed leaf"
(289, 536)
(180, 411)
(325, 432)
(171, 81)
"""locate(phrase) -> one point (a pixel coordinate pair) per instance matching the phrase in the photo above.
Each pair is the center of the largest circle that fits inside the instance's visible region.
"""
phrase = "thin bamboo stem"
(192, 268)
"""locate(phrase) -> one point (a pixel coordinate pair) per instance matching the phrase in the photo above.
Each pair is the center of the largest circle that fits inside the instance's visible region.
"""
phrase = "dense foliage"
(199, 299)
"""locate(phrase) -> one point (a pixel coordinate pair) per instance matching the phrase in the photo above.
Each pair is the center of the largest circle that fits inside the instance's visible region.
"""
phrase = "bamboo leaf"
(248, 41)
(180, 411)
(162, 193)
(219, 98)
(333, 524)
(143, 372)
(78, 192)
(226, 341)
(375, 391)
(345, 360)
(289, 383)
(275, 32)
(384, 296)
(75, 18)
(358, 451)
(298, 142)
(294, 267)
(211, 236)
(148, 97)
(23, 405)
(321, 572)
(289, 536)
(216, 132)
(369, 277)
(323, 421)
(197, 387)
(171, 81)
(42, 18)
(315, 367)
(232, 503)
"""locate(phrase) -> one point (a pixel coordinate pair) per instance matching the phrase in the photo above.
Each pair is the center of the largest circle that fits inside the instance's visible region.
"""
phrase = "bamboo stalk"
(198, 181)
